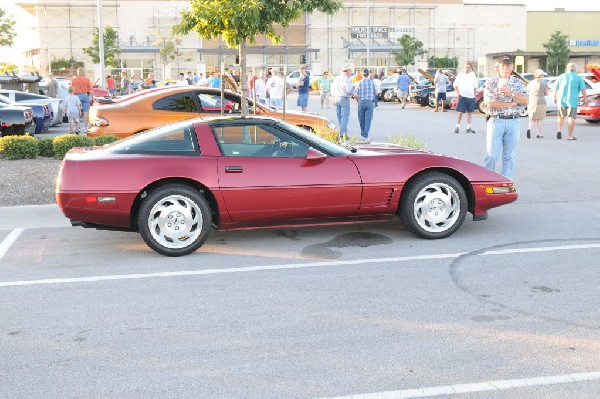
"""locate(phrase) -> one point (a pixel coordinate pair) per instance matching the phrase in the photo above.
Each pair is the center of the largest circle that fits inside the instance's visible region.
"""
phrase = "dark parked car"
(43, 113)
(17, 120)
(187, 177)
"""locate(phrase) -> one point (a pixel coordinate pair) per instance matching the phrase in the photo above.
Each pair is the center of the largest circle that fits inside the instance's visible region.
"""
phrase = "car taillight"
(100, 121)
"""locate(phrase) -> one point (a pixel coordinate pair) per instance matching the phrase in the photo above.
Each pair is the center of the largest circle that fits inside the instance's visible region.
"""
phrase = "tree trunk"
(243, 79)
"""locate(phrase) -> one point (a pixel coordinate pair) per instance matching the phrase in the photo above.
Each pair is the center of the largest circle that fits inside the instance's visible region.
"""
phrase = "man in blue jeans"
(303, 86)
(341, 91)
(504, 96)
(365, 94)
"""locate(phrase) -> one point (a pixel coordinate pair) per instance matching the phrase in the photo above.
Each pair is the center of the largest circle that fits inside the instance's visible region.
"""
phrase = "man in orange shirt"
(83, 90)
(357, 78)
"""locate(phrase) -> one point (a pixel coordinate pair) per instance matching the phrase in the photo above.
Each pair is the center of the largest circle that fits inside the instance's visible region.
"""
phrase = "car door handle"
(234, 169)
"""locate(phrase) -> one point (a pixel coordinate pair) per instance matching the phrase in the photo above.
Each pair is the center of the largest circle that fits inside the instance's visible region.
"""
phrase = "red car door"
(267, 177)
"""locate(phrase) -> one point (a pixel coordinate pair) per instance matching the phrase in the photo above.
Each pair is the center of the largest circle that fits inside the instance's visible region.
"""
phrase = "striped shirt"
(365, 90)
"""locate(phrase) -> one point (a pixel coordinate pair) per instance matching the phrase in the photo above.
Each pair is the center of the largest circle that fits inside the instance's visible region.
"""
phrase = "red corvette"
(174, 183)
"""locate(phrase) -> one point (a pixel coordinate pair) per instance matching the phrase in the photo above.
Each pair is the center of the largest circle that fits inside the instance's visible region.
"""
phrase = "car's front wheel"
(174, 220)
(387, 95)
(434, 205)
(592, 120)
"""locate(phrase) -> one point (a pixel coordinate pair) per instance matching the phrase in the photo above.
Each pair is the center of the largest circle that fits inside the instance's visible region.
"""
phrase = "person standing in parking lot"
(365, 94)
(536, 107)
(125, 82)
(403, 82)
(303, 87)
(275, 89)
(83, 90)
(341, 90)
(52, 86)
(441, 82)
(325, 88)
(465, 85)
(504, 97)
(566, 97)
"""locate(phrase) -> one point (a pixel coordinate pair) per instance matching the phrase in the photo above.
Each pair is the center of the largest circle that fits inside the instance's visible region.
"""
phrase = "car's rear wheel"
(480, 107)
(592, 120)
(175, 220)
(387, 95)
(434, 205)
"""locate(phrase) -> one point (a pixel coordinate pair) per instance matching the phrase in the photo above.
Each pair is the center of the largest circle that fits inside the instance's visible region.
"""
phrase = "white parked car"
(56, 103)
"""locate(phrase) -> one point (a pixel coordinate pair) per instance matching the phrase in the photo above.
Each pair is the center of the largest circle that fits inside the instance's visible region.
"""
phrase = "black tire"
(592, 120)
(433, 205)
(480, 106)
(387, 95)
(168, 209)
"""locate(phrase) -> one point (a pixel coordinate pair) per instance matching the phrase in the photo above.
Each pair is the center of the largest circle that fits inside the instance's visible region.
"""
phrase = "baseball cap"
(506, 59)
(365, 71)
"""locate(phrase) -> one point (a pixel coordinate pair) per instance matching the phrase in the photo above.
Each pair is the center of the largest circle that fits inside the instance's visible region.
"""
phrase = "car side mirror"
(314, 156)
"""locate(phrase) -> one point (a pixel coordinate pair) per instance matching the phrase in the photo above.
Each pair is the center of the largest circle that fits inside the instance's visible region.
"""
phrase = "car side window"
(237, 140)
(211, 103)
(180, 102)
(173, 139)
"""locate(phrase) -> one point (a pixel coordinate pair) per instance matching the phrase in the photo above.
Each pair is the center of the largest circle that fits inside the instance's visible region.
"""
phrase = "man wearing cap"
(465, 85)
(303, 86)
(504, 97)
(568, 85)
(341, 90)
(365, 94)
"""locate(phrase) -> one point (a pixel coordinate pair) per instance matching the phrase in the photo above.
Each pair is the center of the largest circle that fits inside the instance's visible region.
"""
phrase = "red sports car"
(174, 183)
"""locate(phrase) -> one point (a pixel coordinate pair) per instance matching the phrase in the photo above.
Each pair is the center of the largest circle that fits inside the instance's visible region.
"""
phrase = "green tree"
(411, 47)
(111, 48)
(442, 62)
(7, 31)
(558, 52)
(7, 67)
(240, 21)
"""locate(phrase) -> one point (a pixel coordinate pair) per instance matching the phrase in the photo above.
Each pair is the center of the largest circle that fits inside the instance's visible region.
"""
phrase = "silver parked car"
(57, 103)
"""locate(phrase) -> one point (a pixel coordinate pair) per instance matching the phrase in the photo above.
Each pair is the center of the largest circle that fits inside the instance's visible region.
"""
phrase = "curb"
(32, 216)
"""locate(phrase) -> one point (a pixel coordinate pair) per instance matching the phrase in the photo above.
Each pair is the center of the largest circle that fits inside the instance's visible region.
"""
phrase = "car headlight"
(330, 125)
(500, 189)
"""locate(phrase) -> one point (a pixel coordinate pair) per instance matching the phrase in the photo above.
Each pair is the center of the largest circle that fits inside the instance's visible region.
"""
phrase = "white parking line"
(500, 385)
(9, 241)
(283, 267)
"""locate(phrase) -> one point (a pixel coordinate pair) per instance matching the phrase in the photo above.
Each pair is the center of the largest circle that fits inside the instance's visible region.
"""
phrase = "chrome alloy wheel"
(175, 221)
(437, 207)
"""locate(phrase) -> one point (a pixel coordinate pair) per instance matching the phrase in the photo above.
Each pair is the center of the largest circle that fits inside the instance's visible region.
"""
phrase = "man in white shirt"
(341, 90)
(275, 89)
(182, 81)
(466, 88)
(260, 88)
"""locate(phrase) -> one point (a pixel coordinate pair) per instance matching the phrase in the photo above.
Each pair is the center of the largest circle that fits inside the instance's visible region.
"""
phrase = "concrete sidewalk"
(31, 217)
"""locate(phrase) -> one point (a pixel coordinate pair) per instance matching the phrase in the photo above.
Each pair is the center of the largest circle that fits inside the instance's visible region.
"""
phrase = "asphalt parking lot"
(505, 308)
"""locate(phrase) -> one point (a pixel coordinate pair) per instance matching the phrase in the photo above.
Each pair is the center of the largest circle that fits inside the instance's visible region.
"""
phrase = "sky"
(25, 33)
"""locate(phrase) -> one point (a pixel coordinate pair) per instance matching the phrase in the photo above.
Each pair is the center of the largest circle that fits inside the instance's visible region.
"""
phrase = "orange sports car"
(155, 107)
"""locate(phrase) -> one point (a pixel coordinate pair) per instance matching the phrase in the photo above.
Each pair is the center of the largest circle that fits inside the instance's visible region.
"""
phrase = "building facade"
(363, 33)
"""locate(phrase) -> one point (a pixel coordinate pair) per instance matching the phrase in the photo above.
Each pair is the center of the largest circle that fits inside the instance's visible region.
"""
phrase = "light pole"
(368, 32)
(101, 44)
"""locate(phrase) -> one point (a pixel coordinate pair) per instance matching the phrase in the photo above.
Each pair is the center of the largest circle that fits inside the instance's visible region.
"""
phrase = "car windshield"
(317, 141)
(173, 139)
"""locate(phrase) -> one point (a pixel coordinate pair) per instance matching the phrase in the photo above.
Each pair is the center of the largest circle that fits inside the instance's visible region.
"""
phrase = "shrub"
(101, 140)
(62, 144)
(407, 141)
(19, 147)
(45, 147)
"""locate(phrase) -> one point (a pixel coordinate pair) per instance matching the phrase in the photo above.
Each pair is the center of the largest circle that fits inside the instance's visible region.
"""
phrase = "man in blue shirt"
(403, 87)
(568, 85)
(303, 86)
(365, 93)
